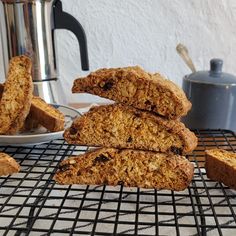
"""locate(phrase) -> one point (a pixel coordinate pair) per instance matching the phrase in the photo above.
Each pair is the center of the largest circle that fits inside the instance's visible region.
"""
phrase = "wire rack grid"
(31, 203)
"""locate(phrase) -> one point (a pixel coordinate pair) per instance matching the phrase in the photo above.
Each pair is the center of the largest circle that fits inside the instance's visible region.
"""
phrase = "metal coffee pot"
(27, 27)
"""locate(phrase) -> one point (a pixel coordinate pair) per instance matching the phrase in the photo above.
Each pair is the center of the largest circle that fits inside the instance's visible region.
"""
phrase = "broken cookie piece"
(221, 166)
(8, 165)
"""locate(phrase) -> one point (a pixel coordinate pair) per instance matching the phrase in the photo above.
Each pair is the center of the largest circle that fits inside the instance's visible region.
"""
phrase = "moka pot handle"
(63, 20)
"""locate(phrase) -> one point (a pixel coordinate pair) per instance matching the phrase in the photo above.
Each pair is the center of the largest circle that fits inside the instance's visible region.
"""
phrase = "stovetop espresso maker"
(27, 27)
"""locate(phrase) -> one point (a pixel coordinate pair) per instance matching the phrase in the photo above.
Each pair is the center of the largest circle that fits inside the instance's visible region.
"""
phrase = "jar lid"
(214, 76)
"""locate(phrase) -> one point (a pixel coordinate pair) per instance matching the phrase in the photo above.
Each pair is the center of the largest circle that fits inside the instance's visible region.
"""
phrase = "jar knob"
(216, 65)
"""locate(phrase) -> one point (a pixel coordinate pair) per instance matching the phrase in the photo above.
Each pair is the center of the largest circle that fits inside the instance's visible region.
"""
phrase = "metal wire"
(31, 203)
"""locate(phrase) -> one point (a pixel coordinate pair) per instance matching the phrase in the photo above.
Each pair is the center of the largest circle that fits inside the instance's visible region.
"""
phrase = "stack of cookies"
(141, 138)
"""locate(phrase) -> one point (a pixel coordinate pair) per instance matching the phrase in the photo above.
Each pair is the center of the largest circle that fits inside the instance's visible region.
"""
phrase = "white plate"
(41, 135)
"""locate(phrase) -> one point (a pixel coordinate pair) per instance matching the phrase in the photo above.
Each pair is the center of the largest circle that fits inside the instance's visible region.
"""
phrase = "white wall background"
(146, 32)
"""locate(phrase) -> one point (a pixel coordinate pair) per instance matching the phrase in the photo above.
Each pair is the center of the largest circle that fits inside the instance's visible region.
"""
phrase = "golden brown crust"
(221, 166)
(47, 115)
(17, 95)
(135, 87)
(128, 167)
(8, 165)
(121, 126)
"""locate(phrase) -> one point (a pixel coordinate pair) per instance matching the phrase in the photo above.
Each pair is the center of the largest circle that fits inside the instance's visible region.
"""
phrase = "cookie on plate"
(17, 95)
(43, 114)
(46, 115)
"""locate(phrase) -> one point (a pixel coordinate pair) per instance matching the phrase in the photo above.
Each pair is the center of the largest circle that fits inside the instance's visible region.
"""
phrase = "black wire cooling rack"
(31, 203)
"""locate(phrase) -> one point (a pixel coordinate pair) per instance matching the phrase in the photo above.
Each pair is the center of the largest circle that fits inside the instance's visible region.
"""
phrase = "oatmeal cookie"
(131, 168)
(221, 166)
(122, 126)
(46, 115)
(17, 95)
(135, 87)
